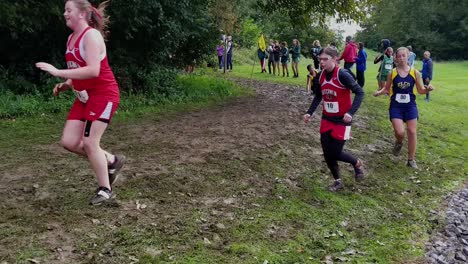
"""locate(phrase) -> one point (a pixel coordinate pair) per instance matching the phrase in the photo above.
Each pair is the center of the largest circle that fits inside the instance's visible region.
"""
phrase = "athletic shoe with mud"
(412, 164)
(336, 186)
(397, 148)
(103, 194)
(115, 168)
(359, 171)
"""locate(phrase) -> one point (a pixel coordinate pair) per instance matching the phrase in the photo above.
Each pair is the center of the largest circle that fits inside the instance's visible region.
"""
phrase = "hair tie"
(95, 11)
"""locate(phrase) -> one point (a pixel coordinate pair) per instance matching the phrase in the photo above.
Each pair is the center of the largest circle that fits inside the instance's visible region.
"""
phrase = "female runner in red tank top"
(97, 92)
(336, 86)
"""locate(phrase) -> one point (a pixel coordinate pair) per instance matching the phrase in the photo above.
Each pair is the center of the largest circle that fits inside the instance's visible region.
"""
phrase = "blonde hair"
(316, 43)
(402, 49)
(297, 42)
(96, 17)
(405, 49)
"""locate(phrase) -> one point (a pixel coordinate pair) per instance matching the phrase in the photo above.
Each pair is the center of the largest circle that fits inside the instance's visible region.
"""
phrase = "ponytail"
(96, 17)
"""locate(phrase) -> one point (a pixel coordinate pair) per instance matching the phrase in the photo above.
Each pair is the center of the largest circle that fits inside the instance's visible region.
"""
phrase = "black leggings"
(333, 152)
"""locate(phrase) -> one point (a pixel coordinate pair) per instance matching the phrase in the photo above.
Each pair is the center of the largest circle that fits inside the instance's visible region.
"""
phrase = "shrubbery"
(165, 87)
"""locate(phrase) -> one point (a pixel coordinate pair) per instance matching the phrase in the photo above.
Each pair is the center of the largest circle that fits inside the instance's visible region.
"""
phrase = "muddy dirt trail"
(210, 163)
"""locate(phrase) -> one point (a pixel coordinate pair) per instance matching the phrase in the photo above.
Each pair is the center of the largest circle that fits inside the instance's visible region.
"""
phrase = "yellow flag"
(261, 43)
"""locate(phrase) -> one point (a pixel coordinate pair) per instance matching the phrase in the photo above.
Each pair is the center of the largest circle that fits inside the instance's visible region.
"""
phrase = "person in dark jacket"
(361, 64)
(314, 52)
(427, 71)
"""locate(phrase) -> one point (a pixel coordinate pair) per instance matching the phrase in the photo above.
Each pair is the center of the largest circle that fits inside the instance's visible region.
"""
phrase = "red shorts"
(92, 110)
(338, 131)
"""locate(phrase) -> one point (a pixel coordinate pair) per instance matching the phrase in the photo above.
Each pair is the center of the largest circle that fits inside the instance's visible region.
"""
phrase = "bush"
(163, 86)
(12, 105)
(245, 56)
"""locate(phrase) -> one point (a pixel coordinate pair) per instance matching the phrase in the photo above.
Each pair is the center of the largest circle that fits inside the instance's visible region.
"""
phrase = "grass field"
(415, 195)
(386, 220)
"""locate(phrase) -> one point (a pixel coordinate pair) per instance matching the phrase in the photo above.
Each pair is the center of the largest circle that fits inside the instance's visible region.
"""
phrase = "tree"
(427, 25)
(305, 12)
(145, 35)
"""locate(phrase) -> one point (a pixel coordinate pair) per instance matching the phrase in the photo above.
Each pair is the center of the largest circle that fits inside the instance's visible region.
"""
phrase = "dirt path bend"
(205, 164)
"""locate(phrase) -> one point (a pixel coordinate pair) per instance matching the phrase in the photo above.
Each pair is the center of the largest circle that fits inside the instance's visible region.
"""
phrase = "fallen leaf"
(349, 252)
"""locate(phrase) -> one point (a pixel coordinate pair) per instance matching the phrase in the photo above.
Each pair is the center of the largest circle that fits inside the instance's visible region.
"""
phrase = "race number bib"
(331, 107)
(81, 95)
(388, 66)
(402, 98)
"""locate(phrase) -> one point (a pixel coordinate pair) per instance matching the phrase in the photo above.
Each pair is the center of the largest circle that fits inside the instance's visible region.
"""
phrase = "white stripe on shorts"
(347, 133)
(107, 112)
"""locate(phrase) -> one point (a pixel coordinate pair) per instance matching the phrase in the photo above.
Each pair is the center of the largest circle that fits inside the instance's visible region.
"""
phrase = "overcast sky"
(349, 29)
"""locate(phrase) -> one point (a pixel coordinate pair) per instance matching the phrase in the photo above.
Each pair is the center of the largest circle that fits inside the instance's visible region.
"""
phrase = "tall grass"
(187, 88)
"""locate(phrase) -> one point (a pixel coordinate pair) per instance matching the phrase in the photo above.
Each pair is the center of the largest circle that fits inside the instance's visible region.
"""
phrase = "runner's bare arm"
(420, 86)
(93, 46)
(387, 86)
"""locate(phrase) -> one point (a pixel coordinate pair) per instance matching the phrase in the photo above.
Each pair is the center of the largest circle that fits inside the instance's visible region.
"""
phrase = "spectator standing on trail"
(295, 56)
(314, 52)
(385, 67)
(230, 47)
(361, 64)
(220, 52)
(412, 56)
(403, 109)
(338, 109)
(262, 56)
(427, 70)
(97, 92)
(284, 58)
(277, 56)
(271, 57)
(349, 54)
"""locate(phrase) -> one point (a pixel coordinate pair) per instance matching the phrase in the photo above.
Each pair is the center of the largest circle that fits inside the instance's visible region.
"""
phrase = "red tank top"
(336, 98)
(104, 86)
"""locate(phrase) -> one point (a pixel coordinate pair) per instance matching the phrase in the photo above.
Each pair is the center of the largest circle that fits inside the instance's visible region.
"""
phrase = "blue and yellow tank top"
(402, 92)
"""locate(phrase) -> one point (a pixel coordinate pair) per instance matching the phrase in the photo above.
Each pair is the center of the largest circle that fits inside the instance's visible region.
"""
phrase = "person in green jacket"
(296, 55)
(385, 67)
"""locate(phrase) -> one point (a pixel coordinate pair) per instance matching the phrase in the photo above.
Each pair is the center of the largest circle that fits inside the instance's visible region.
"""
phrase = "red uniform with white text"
(97, 98)
(336, 103)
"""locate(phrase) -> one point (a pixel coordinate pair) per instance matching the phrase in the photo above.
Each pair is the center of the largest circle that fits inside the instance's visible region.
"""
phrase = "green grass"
(190, 88)
(385, 220)
(391, 220)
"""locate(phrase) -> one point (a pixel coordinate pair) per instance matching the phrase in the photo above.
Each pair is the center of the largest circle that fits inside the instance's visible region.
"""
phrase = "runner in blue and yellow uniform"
(400, 85)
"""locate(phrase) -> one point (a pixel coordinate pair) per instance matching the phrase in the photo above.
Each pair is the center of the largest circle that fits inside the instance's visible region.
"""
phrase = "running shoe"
(397, 148)
(336, 186)
(115, 168)
(359, 171)
(102, 194)
(412, 164)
